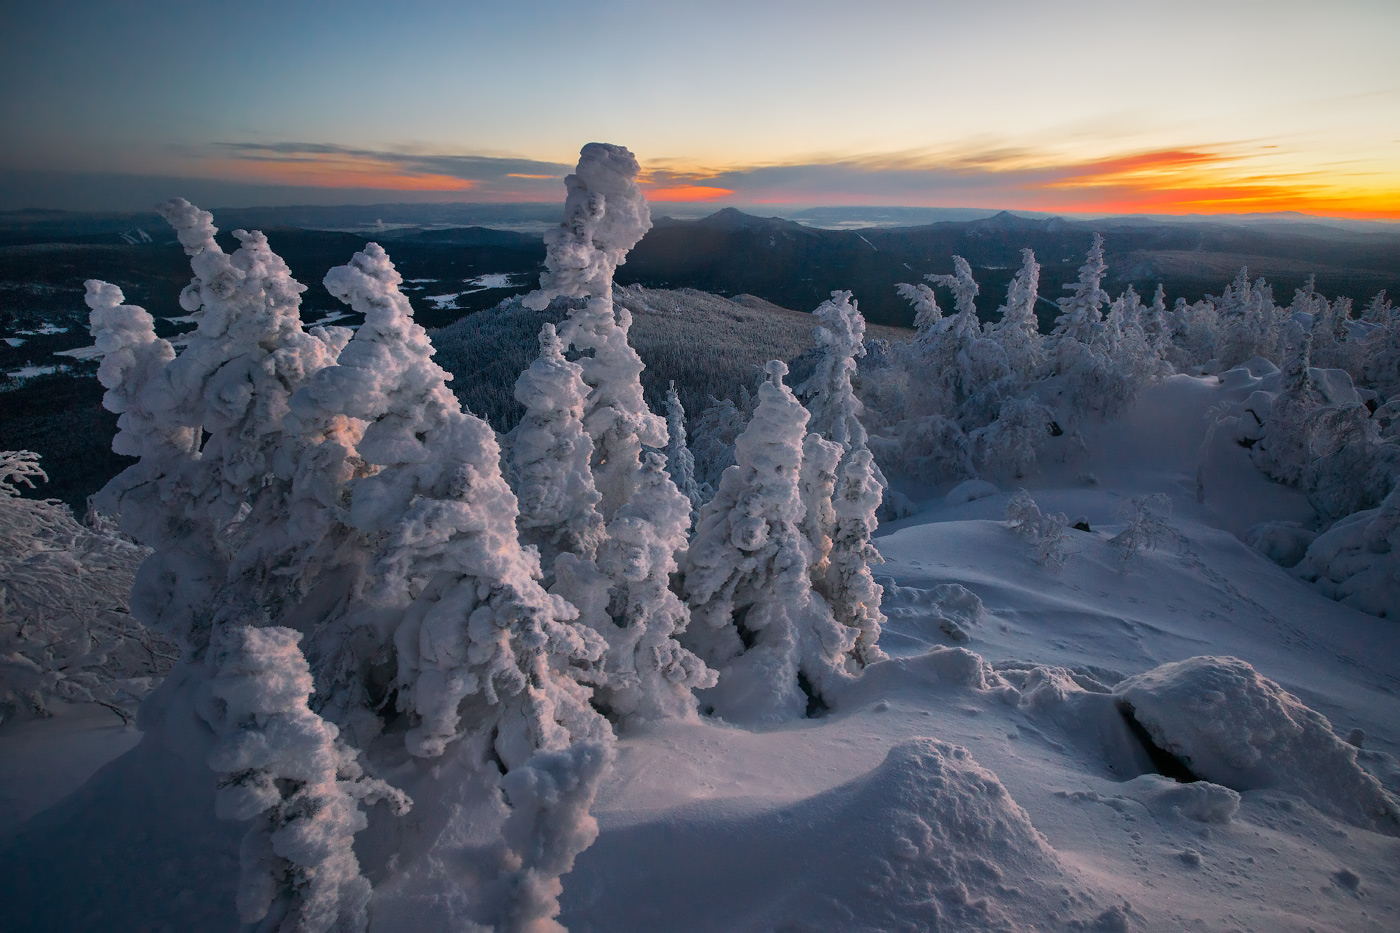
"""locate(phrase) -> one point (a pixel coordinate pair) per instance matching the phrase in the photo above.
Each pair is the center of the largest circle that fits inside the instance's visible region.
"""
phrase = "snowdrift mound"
(1234, 727)
(928, 840)
(1357, 560)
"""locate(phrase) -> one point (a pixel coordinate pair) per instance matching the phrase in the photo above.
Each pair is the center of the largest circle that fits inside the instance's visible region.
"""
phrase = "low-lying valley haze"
(699, 467)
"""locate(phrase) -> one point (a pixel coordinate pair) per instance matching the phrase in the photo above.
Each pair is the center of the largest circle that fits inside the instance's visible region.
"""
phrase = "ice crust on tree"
(549, 453)
(680, 462)
(754, 615)
(605, 215)
(1235, 727)
(284, 769)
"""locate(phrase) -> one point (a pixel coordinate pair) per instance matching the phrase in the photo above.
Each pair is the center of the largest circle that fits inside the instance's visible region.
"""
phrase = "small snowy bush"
(1045, 533)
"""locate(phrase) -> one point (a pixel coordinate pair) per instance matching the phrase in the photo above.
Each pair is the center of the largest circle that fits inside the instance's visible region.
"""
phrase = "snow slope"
(984, 778)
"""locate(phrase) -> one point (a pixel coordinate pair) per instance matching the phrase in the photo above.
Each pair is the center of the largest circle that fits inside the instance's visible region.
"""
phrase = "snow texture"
(1234, 727)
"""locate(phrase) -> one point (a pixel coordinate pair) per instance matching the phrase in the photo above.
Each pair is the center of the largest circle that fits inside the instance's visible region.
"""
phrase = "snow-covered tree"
(1081, 314)
(1011, 444)
(1017, 331)
(1285, 447)
(284, 768)
(648, 674)
(716, 430)
(849, 586)
(754, 616)
(680, 462)
(1044, 532)
(484, 655)
(605, 214)
(549, 453)
(816, 480)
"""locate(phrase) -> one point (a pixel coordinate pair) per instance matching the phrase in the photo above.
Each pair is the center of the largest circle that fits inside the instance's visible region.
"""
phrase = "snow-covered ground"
(984, 778)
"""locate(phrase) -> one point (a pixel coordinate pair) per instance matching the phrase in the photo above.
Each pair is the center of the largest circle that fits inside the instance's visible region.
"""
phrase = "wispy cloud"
(1195, 179)
(1207, 178)
(335, 166)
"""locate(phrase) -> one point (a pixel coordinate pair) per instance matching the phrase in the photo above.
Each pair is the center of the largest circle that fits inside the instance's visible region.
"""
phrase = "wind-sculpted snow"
(649, 675)
(1357, 560)
(1232, 726)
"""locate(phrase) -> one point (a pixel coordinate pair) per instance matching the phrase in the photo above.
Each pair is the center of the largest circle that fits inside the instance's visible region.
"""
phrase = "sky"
(1069, 107)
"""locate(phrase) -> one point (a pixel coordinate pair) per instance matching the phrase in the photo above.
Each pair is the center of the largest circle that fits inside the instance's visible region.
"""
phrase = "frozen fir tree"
(754, 615)
(680, 462)
(1080, 321)
(283, 768)
(476, 621)
(821, 459)
(648, 675)
(830, 392)
(1017, 330)
(485, 658)
(849, 586)
(549, 453)
(1285, 446)
(605, 215)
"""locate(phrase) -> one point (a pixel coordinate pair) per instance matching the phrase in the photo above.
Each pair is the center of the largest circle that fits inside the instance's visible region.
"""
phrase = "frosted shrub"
(1045, 533)
(284, 769)
(66, 635)
(1146, 525)
(1011, 444)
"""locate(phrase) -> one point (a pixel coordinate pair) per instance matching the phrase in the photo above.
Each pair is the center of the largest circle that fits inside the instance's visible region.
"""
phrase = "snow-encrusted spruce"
(244, 360)
(605, 214)
(477, 622)
(649, 675)
(549, 454)
(484, 655)
(132, 356)
(232, 382)
(1081, 314)
(816, 482)
(1018, 329)
(829, 393)
(754, 615)
(284, 768)
(850, 588)
(680, 462)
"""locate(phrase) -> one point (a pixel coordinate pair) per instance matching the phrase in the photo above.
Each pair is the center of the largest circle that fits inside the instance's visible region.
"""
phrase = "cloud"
(335, 166)
(1196, 179)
